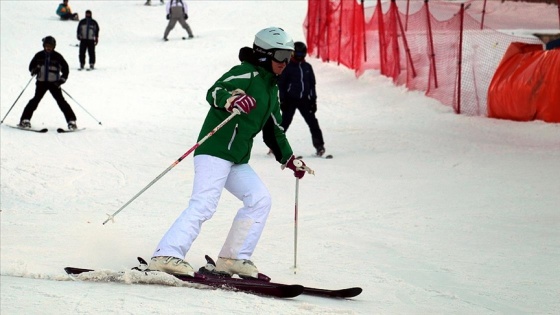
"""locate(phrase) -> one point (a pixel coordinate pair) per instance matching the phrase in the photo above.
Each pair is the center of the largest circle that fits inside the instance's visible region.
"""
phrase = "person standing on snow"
(88, 35)
(47, 65)
(65, 12)
(222, 161)
(149, 2)
(297, 91)
(177, 12)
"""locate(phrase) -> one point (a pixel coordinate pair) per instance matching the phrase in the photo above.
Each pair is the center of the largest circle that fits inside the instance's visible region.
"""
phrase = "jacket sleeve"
(34, 62)
(96, 30)
(282, 84)
(238, 77)
(59, 9)
(312, 83)
(275, 138)
(78, 29)
(64, 67)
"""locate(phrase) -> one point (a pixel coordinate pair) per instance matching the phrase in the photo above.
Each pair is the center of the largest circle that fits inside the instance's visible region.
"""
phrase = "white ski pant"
(212, 175)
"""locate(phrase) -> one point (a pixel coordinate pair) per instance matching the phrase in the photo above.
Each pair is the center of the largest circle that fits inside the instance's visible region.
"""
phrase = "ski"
(261, 286)
(232, 284)
(62, 130)
(328, 156)
(29, 129)
(341, 293)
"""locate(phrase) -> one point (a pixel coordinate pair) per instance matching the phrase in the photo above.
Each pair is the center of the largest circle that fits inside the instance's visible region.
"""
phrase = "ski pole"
(296, 224)
(17, 98)
(211, 133)
(80, 105)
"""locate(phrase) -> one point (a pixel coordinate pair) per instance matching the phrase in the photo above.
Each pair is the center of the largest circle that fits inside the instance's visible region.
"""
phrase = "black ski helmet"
(300, 50)
(49, 40)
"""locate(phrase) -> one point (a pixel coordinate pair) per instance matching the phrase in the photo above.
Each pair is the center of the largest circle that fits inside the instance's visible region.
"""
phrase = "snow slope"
(428, 211)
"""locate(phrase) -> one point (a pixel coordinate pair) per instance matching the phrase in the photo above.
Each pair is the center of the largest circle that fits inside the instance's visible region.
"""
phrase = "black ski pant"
(56, 92)
(289, 107)
(89, 45)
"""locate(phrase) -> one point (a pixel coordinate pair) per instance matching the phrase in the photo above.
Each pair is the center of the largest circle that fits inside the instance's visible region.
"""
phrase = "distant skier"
(47, 65)
(223, 160)
(177, 12)
(149, 2)
(65, 12)
(297, 91)
(88, 35)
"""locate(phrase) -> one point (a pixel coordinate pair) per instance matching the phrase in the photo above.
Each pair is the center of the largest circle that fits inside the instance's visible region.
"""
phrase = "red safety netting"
(437, 49)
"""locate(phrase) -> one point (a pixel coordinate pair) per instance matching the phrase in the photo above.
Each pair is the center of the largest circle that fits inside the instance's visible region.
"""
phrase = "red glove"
(245, 103)
(296, 165)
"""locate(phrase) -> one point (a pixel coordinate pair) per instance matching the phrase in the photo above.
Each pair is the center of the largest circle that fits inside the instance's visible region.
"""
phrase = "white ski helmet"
(273, 38)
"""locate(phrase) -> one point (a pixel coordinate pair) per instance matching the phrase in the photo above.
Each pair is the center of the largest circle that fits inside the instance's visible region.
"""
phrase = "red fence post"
(406, 21)
(364, 32)
(431, 42)
(340, 12)
(382, 42)
(483, 13)
(406, 47)
(460, 60)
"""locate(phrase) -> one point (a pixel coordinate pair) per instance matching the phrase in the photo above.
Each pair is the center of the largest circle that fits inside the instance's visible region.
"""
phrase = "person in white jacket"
(177, 12)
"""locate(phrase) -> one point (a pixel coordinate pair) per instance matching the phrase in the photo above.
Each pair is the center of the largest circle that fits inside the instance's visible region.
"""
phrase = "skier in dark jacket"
(48, 65)
(88, 35)
(297, 91)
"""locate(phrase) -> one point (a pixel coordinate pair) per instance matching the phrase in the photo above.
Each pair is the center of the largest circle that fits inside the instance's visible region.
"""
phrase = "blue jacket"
(297, 82)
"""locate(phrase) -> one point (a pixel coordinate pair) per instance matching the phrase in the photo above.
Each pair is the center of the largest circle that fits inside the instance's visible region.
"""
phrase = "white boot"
(241, 267)
(171, 265)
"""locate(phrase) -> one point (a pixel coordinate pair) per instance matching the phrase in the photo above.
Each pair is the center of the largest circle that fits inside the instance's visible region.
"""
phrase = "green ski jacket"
(234, 141)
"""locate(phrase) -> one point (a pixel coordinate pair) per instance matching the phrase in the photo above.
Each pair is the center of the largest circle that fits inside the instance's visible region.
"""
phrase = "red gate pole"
(406, 47)
(364, 32)
(382, 42)
(483, 13)
(432, 52)
(460, 61)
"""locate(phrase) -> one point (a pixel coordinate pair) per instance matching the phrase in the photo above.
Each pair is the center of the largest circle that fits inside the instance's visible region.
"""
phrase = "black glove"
(36, 71)
(186, 16)
(167, 16)
(60, 82)
(313, 107)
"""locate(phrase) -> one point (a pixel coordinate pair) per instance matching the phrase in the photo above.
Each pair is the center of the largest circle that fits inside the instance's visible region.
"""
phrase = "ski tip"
(209, 260)
(291, 290)
(76, 271)
(351, 292)
(142, 261)
(62, 130)
(29, 129)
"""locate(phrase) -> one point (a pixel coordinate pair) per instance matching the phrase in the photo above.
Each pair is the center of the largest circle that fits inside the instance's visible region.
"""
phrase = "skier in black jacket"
(88, 35)
(47, 65)
(296, 87)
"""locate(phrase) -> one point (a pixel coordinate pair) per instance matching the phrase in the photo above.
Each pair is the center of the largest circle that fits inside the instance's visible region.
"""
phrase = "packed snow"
(428, 211)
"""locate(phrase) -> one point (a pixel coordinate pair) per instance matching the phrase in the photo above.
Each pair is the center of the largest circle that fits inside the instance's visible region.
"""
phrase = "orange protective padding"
(526, 85)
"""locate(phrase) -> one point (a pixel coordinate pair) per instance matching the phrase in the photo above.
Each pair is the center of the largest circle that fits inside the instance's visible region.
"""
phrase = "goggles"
(281, 55)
